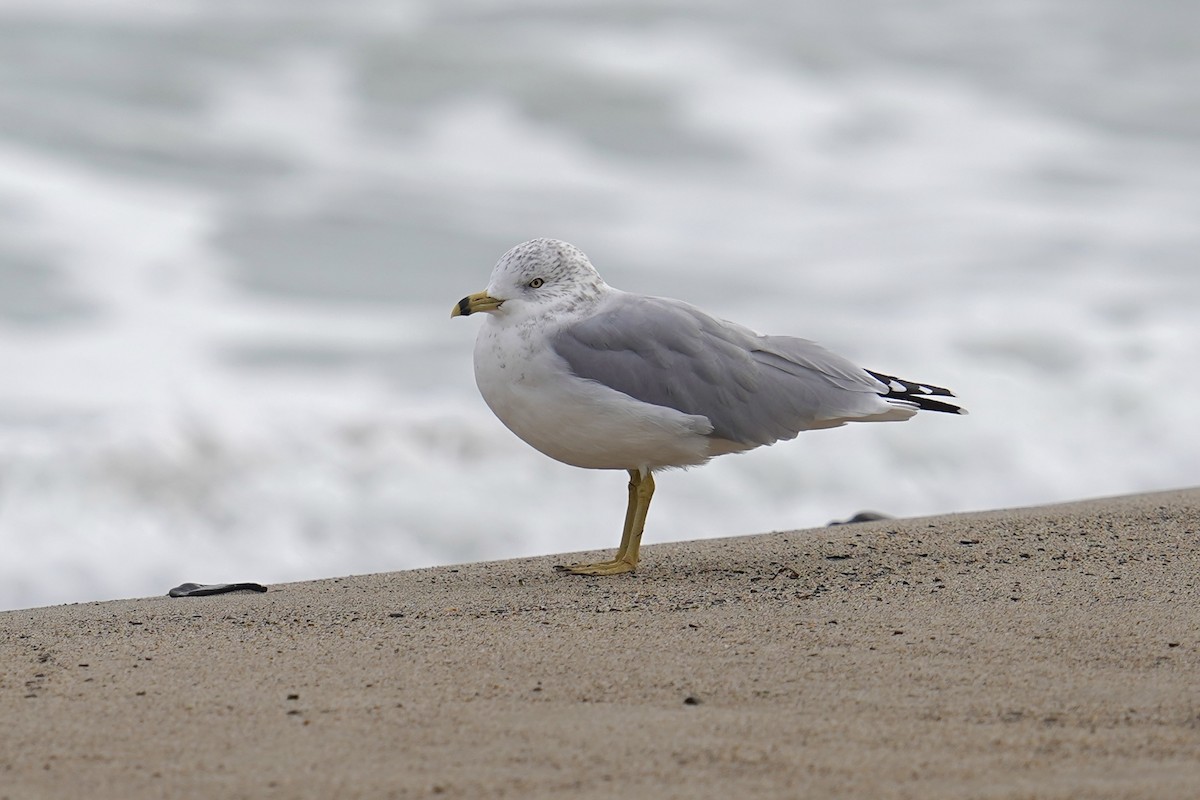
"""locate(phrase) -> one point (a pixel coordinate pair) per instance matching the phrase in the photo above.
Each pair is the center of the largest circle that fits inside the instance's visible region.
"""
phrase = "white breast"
(578, 422)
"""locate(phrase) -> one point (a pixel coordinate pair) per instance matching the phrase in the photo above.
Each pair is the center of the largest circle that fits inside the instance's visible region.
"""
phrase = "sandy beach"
(1037, 653)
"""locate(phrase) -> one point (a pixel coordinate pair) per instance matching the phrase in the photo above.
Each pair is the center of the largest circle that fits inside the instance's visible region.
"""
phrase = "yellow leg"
(635, 478)
(641, 489)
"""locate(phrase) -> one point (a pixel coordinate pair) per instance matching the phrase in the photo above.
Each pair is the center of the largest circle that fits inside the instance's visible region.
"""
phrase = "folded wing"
(754, 389)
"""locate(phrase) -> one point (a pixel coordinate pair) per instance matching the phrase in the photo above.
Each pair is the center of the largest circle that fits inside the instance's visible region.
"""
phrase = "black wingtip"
(919, 394)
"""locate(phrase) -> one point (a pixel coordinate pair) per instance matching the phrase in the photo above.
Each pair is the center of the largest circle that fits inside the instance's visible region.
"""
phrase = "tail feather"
(919, 394)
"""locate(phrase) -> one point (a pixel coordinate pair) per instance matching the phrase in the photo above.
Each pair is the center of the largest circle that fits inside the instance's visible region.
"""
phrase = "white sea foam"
(200, 387)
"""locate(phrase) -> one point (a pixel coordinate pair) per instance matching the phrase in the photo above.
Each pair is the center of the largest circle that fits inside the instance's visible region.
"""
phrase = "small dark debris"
(396, 615)
(691, 700)
(837, 557)
(968, 542)
(861, 516)
(293, 697)
(897, 633)
(203, 589)
(1172, 644)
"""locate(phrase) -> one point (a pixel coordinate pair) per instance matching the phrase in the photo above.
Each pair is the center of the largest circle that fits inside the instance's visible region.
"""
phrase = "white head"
(536, 276)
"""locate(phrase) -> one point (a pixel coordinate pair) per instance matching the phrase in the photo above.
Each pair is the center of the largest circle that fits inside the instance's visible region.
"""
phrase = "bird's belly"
(584, 423)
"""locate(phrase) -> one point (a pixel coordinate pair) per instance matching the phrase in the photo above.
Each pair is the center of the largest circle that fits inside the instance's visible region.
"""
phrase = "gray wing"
(753, 389)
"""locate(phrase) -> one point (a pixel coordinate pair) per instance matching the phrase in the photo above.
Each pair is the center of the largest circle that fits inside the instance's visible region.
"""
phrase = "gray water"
(231, 235)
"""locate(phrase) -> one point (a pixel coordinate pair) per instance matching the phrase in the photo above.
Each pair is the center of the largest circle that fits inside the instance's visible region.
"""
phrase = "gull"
(604, 379)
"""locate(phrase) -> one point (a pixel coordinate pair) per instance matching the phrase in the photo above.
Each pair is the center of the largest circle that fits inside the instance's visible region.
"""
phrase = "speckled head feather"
(544, 273)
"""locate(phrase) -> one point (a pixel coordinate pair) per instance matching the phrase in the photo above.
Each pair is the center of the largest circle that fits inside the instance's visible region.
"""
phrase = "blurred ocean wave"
(231, 233)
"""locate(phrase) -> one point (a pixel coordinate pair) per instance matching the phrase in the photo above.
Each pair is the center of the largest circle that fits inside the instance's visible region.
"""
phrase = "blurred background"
(231, 234)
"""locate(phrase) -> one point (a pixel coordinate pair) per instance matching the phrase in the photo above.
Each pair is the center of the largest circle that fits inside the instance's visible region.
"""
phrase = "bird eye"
(536, 283)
